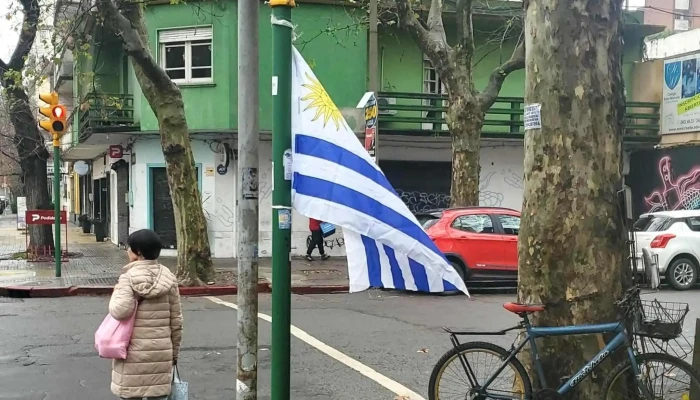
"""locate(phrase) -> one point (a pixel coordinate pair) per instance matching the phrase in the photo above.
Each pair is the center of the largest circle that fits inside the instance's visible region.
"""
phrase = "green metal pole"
(281, 196)
(57, 203)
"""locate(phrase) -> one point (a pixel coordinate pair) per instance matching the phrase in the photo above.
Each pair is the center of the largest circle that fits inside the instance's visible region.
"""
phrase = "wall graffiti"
(665, 179)
(682, 193)
(328, 243)
(264, 185)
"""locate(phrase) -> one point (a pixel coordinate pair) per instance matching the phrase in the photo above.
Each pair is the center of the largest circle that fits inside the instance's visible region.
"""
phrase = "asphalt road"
(46, 345)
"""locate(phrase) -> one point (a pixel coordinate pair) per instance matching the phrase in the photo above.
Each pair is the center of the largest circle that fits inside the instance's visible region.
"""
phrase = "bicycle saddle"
(517, 308)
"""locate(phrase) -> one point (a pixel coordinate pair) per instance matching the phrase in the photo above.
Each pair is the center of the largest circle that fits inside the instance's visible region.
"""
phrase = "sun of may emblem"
(322, 102)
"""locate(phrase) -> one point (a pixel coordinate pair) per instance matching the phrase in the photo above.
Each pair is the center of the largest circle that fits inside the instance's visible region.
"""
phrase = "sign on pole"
(43, 217)
(371, 107)
(680, 111)
(21, 210)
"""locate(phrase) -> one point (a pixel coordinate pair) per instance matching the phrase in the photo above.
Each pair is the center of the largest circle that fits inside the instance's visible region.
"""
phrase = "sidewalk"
(96, 268)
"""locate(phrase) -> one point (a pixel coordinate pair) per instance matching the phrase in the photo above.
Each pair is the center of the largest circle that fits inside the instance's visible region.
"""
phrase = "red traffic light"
(58, 112)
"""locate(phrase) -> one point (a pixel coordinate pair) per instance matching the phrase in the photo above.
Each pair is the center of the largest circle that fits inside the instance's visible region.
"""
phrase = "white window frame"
(432, 87)
(186, 36)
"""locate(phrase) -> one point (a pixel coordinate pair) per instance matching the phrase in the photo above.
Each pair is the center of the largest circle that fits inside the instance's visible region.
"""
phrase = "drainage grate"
(108, 281)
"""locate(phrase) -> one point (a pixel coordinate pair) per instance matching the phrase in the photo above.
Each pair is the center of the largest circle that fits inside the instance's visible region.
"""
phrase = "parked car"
(674, 240)
(480, 242)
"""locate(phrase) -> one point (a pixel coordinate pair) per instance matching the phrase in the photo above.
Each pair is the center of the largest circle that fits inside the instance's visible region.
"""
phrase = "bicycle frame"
(532, 333)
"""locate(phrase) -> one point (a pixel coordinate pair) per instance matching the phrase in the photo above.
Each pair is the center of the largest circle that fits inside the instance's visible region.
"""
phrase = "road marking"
(388, 383)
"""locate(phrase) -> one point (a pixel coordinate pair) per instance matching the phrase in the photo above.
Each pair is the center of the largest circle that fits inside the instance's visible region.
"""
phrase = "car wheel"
(460, 271)
(682, 274)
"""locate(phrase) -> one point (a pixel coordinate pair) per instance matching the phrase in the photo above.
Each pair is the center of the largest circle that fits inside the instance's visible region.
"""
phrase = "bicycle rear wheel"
(464, 369)
(664, 376)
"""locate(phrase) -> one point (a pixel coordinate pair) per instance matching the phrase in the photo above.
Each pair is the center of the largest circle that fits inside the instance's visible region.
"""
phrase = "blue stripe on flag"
(374, 267)
(319, 148)
(396, 274)
(419, 275)
(448, 286)
(339, 194)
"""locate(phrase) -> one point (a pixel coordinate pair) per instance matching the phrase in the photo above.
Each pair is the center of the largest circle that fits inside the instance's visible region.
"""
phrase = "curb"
(70, 291)
(323, 289)
(54, 292)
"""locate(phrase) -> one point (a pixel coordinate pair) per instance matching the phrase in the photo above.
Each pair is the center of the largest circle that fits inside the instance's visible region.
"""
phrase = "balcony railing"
(420, 113)
(106, 112)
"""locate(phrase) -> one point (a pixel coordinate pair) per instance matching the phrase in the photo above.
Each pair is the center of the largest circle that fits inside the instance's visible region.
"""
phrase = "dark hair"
(145, 243)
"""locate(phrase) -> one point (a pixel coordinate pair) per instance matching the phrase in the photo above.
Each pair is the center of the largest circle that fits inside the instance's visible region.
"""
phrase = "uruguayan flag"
(335, 180)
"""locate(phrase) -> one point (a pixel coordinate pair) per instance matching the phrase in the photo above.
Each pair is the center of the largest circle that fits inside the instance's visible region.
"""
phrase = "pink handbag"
(112, 337)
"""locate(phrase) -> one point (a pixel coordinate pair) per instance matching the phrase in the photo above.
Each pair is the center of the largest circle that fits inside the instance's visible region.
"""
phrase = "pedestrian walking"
(316, 240)
(149, 289)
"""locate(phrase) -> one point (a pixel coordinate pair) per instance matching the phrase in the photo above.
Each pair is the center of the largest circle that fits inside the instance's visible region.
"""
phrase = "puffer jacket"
(155, 342)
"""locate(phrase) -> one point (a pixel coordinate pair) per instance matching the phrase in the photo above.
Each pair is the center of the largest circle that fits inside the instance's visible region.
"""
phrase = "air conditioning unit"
(682, 5)
(681, 24)
(386, 101)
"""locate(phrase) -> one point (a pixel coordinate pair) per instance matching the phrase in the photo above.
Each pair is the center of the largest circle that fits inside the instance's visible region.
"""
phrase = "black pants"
(316, 240)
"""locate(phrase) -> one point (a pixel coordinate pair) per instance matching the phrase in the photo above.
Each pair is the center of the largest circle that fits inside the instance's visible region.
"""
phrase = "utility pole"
(247, 199)
(373, 48)
(281, 195)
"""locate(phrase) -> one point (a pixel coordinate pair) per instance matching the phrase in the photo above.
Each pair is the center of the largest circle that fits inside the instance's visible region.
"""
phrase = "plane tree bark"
(27, 139)
(466, 104)
(571, 245)
(126, 20)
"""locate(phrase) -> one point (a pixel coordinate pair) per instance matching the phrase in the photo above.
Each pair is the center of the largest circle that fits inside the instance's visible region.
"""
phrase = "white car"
(673, 237)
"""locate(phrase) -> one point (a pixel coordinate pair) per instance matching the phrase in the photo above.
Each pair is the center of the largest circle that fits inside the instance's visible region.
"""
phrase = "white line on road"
(392, 385)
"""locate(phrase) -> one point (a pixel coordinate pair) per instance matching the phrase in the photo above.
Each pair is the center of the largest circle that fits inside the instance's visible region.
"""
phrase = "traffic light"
(56, 114)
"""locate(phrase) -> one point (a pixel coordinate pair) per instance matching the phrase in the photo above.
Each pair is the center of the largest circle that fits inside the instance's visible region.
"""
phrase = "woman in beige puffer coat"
(155, 342)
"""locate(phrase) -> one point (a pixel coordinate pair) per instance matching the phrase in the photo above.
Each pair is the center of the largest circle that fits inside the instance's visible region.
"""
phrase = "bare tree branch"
(133, 44)
(465, 31)
(430, 40)
(499, 75)
(26, 38)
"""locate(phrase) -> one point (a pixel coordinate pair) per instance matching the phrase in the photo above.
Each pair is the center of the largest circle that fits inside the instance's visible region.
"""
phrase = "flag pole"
(282, 30)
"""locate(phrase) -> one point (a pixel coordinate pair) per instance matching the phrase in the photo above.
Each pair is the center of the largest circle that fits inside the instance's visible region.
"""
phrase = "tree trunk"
(571, 249)
(32, 153)
(165, 99)
(464, 120)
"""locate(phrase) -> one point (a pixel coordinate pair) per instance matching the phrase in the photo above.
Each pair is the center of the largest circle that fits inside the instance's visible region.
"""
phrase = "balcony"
(424, 115)
(63, 75)
(106, 112)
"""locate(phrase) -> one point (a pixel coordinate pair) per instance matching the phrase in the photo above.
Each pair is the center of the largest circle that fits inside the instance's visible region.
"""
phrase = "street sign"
(81, 168)
(43, 217)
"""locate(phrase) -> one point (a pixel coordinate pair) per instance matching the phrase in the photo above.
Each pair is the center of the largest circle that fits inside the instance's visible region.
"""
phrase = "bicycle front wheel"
(462, 372)
(664, 377)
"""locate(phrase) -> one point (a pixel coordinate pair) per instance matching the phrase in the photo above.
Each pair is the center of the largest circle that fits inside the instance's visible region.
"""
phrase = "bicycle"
(641, 317)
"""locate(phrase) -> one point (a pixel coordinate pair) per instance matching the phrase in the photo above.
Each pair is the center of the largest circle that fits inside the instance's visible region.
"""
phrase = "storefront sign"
(116, 151)
(43, 217)
(680, 110)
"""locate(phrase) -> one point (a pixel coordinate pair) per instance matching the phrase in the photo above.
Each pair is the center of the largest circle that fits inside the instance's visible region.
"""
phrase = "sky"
(8, 28)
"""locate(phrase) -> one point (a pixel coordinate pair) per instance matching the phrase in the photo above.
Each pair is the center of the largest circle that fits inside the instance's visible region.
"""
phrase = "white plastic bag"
(180, 390)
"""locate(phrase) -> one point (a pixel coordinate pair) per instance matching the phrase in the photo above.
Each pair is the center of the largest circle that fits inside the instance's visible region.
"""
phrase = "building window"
(186, 54)
(432, 84)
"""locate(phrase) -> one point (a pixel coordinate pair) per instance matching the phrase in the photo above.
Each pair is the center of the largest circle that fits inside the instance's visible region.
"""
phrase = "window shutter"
(183, 35)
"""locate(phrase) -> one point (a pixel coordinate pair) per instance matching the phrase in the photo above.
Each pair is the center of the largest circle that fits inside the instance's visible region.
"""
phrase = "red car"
(480, 242)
